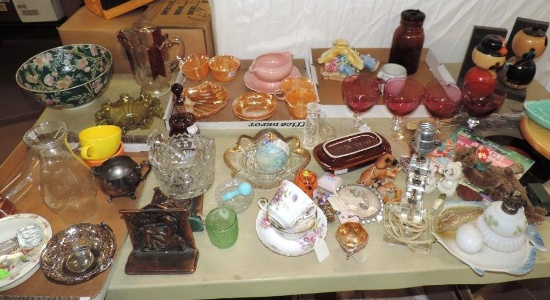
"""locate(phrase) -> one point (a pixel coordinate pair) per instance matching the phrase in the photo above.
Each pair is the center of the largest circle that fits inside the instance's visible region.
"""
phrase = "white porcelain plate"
(276, 243)
(488, 260)
(22, 270)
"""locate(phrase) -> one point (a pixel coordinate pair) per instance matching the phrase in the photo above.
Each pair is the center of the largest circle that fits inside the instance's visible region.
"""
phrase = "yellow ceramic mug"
(99, 142)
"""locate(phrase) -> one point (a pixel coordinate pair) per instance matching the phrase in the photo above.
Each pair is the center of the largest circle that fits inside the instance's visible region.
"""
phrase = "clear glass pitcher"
(148, 51)
(67, 185)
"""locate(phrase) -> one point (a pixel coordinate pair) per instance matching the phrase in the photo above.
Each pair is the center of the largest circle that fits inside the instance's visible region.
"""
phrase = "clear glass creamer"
(67, 185)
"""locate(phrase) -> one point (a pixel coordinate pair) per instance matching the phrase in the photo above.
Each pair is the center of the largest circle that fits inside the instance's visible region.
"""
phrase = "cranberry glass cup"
(402, 96)
(443, 100)
(360, 93)
(481, 98)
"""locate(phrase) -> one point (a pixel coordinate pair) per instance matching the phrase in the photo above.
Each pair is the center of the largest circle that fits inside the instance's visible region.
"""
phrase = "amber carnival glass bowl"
(67, 77)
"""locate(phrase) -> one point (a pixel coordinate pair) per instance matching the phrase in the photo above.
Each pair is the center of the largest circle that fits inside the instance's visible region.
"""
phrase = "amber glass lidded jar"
(408, 40)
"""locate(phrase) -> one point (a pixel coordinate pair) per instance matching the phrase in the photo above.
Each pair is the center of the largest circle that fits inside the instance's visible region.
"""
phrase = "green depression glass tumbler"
(222, 227)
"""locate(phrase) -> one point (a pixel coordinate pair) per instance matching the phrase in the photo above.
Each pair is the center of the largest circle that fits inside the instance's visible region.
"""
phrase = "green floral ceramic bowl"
(67, 77)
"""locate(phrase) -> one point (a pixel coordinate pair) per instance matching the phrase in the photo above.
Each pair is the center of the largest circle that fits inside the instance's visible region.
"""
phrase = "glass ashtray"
(241, 159)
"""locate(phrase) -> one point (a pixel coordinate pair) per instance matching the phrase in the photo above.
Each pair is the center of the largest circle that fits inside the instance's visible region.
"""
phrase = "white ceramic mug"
(389, 71)
(288, 207)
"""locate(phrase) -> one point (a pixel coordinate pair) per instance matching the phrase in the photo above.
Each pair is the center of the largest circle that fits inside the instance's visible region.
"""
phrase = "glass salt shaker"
(311, 129)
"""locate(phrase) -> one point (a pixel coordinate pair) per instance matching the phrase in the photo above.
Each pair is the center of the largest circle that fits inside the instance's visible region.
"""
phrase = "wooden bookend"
(477, 35)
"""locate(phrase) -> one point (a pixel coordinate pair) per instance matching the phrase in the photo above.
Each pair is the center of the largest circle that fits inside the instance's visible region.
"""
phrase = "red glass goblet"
(360, 93)
(443, 100)
(402, 96)
(481, 98)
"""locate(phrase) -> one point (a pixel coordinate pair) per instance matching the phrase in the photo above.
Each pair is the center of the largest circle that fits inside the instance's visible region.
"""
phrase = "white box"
(39, 10)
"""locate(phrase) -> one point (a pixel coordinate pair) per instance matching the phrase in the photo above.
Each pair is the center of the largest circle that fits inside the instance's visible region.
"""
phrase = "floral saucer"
(21, 264)
(276, 243)
(519, 262)
(269, 88)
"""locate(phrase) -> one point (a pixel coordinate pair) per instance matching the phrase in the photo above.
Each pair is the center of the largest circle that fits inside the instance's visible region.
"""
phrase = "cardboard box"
(86, 27)
(8, 12)
(190, 20)
(39, 10)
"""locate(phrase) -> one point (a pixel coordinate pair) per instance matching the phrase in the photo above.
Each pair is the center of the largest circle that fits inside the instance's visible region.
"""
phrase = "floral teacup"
(290, 209)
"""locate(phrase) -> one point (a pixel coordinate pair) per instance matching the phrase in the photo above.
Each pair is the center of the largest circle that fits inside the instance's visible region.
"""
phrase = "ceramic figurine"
(488, 56)
(528, 44)
(452, 173)
(431, 179)
(390, 192)
(385, 166)
(340, 61)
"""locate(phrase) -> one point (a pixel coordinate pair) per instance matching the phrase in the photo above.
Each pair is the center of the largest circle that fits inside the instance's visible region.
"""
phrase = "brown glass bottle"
(408, 40)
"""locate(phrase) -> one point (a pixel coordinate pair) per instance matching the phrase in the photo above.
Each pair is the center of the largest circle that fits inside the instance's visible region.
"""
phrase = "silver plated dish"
(78, 253)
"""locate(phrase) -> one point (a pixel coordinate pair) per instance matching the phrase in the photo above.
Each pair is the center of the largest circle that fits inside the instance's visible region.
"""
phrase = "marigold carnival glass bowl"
(130, 113)
(254, 106)
(67, 77)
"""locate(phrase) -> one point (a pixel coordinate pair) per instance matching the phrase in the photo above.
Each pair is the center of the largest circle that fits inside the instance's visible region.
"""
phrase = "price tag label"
(482, 154)
(321, 249)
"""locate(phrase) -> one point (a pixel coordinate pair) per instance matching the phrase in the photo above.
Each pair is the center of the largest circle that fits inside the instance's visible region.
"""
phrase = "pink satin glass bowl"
(272, 67)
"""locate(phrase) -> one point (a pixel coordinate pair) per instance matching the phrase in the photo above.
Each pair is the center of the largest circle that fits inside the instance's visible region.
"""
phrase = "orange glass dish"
(292, 83)
(296, 82)
(195, 66)
(205, 99)
(254, 106)
(297, 101)
(224, 67)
